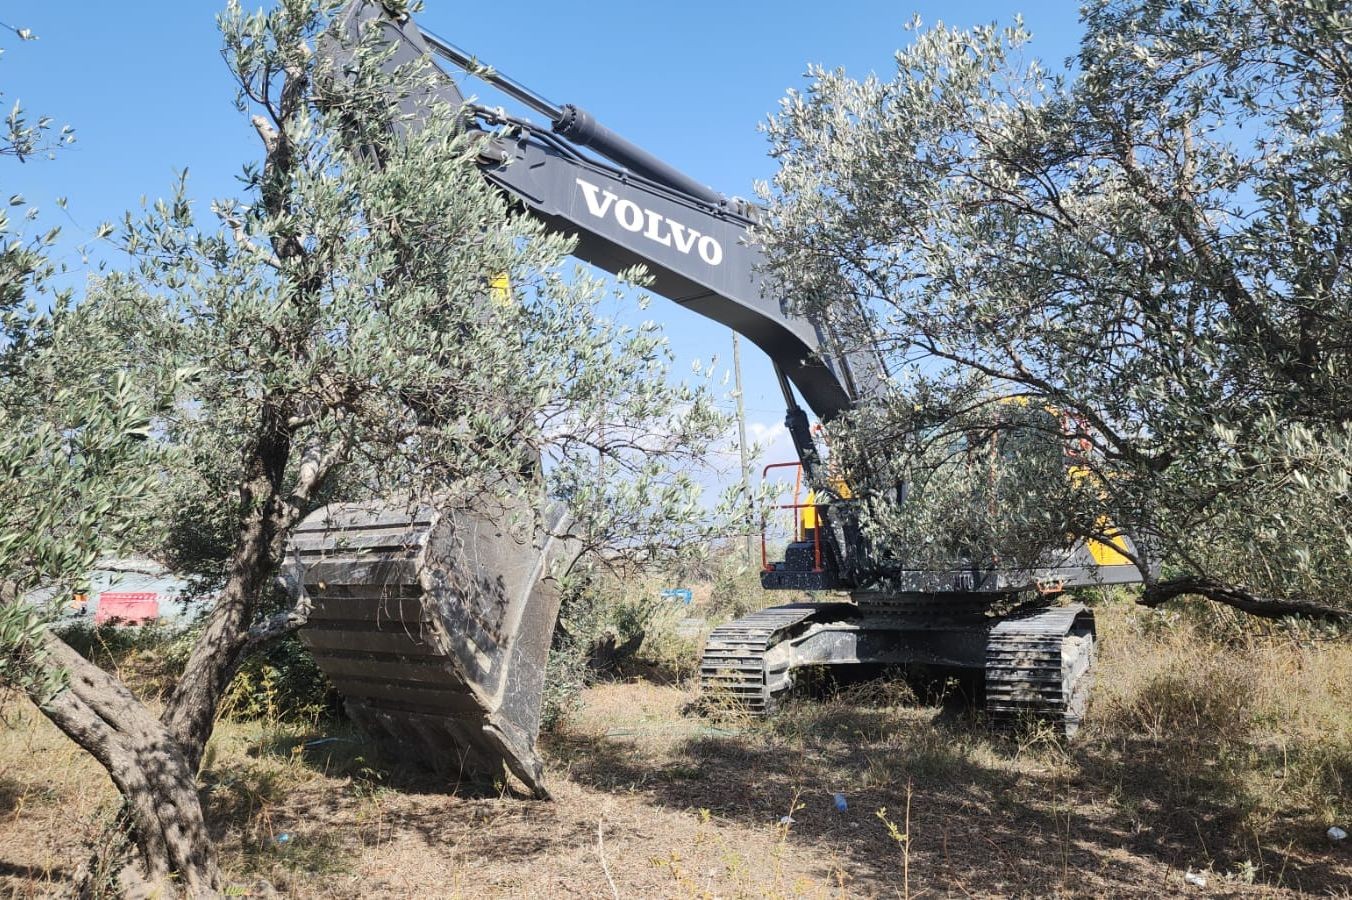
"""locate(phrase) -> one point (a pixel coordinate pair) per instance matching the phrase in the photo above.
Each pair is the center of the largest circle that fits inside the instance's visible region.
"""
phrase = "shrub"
(737, 591)
(566, 675)
(283, 683)
(601, 613)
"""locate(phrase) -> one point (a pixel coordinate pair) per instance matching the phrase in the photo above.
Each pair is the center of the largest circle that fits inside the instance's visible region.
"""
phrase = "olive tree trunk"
(156, 780)
(265, 518)
(154, 761)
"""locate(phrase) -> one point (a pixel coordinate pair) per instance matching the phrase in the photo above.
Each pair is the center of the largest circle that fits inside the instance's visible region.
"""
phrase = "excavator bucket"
(434, 623)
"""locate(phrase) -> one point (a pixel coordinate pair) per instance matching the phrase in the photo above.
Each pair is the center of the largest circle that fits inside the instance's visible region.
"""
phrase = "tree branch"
(277, 626)
(1265, 607)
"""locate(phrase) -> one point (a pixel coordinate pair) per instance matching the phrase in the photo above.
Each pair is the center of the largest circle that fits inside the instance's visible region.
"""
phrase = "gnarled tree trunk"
(154, 762)
(157, 782)
(217, 653)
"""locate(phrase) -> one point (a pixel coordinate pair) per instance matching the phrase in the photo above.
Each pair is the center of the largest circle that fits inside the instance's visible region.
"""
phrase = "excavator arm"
(697, 257)
(433, 619)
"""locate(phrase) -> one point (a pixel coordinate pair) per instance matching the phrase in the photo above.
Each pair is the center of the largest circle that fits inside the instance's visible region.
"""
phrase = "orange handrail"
(797, 519)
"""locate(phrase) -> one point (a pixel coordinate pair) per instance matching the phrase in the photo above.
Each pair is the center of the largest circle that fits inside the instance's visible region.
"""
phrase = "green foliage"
(74, 465)
(282, 683)
(597, 603)
(21, 661)
(736, 589)
(76, 478)
(601, 611)
(1153, 245)
(986, 482)
(347, 301)
(24, 136)
(567, 674)
(279, 684)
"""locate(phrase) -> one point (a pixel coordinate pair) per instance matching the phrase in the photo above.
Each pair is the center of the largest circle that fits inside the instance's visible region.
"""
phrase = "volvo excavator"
(435, 621)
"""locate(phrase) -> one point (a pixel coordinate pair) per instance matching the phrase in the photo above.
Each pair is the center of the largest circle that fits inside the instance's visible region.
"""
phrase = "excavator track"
(734, 666)
(1036, 666)
(1039, 667)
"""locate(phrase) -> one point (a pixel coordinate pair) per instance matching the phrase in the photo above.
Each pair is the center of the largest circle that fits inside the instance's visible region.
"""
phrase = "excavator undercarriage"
(1030, 666)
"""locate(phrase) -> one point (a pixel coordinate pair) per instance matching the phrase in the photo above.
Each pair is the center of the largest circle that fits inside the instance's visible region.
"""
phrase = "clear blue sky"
(145, 88)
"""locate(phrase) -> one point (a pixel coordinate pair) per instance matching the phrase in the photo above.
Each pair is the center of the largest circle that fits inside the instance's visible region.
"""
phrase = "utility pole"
(741, 445)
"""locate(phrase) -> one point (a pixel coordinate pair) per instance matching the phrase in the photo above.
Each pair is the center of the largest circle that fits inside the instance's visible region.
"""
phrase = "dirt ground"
(653, 801)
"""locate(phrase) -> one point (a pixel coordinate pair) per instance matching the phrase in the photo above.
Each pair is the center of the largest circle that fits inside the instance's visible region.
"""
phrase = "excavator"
(434, 620)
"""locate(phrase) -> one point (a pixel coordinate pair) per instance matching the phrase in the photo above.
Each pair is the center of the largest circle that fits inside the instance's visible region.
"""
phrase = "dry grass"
(54, 804)
(1229, 758)
(1252, 735)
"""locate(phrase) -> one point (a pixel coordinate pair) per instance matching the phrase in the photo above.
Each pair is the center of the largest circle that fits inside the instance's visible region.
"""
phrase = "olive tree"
(1140, 260)
(78, 472)
(342, 322)
(341, 330)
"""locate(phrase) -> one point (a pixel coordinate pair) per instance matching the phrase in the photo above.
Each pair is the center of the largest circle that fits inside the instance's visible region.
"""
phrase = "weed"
(736, 592)
(784, 826)
(718, 703)
(902, 838)
(281, 684)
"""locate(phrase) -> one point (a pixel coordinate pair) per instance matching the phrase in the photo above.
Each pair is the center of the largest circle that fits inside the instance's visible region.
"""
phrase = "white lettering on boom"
(653, 225)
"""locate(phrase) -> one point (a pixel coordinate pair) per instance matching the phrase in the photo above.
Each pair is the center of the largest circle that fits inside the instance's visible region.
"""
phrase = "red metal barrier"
(127, 607)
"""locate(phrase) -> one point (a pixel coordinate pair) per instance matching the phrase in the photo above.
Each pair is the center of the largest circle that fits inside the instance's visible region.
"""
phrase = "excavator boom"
(627, 209)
